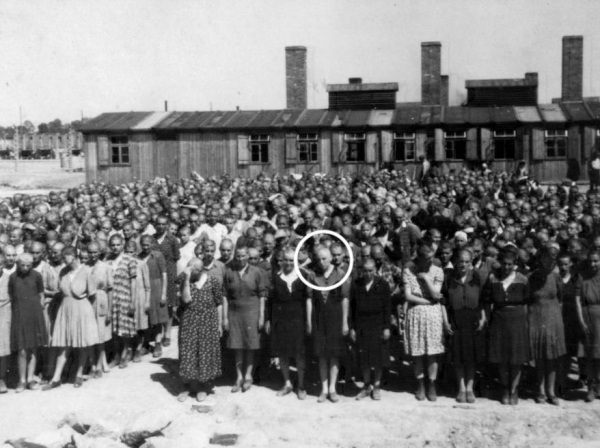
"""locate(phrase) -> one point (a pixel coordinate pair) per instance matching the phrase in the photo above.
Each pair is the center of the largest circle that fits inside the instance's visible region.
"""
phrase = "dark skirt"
(243, 328)
(468, 344)
(573, 334)
(287, 330)
(157, 314)
(28, 326)
(328, 340)
(509, 337)
(373, 351)
(546, 330)
(591, 316)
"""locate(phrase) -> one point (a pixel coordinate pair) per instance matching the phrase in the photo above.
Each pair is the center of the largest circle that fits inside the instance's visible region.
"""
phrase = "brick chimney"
(431, 69)
(445, 90)
(572, 68)
(295, 78)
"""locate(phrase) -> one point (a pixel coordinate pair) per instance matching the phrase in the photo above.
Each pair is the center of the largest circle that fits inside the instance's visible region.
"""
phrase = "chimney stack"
(445, 90)
(572, 68)
(295, 77)
(355, 80)
(431, 70)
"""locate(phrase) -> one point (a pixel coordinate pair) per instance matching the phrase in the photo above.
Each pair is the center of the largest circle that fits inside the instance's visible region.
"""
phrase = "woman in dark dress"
(244, 294)
(462, 297)
(167, 244)
(587, 301)
(573, 338)
(371, 311)
(28, 327)
(507, 293)
(329, 322)
(158, 314)
(546, 331)
(286, 322)
(201, 330)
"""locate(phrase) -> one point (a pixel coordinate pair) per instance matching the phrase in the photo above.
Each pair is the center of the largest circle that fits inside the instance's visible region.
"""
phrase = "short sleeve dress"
(424, 332)
(75, 324)
(590, 304)
(170, 250)
(200, 347)
(157, 266)
(5, 314)
(28, 327)
(103, 276)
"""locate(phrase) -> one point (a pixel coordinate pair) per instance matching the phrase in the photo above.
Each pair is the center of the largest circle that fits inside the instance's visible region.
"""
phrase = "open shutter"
(243, 152)
(371, 147)
(538, 143)
(421, 144)
(387, 146)
(291, 149)
(487, 144)
(103, 151)
(440, 147)
(338, 147)
(472, 144)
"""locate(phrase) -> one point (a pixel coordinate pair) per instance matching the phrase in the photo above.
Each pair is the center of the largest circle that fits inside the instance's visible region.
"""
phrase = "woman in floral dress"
(424, 333)
(201, 330)
(124, 292)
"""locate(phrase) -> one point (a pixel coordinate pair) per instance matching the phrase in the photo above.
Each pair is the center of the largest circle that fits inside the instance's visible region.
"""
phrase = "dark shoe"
(333, 397)
(364, 393)
(247, 385)
(505, 396)
(284, 391)
(554, 400)
(376, 394)
(541, 399)
(78, 382)
(514, 398)
(157, 351)
(322, 398)
(301, 394)
(137, 357)
(420, 393)
(461, 397)
(431, 392)
(3, 388)
(166, 342)
(51, 385)
(470, 397)
(33, 385)
(236, 387)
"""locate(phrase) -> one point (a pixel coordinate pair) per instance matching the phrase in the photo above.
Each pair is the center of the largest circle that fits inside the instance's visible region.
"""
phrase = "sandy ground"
(36, 177)
(266, 420)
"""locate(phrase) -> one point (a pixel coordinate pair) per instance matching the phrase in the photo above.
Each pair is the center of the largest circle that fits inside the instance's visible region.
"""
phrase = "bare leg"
(169, 324)
(469, 377)
(551, 377)
(82, 358)
(540, 371)
(22, 365)
(460, 376)
(419, 367)
(31, 365)
(366, 371)
(249, 364)
(284, 363)
(60, 364)
(503, 371)
(323, 374)
(334, 368)
(516, 379)
(239, 363)
(378, 374)
(432, 367)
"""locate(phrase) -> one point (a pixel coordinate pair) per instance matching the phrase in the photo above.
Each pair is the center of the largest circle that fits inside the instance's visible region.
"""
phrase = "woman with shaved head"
(328, 322)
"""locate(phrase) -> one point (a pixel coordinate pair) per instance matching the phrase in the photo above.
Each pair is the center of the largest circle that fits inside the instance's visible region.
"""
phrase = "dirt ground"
(151, 386)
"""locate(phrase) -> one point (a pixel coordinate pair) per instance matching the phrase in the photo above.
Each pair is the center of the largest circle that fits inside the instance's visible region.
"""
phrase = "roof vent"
(355, 80)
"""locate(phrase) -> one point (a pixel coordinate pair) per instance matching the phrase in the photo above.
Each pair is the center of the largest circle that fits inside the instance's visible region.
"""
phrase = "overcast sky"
(63, 57)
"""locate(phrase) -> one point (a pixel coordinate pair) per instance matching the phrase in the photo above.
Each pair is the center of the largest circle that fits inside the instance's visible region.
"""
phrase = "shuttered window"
(308, 148)
(119, 150)
(505, 144)
(259, 148)
(243, 153)
(404, 146)
(556, 144)
(355, 147)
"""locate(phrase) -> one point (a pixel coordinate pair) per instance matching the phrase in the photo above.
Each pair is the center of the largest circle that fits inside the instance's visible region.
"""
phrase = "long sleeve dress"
(123, 306)
(169, 247)
(371, 312)
(589, 291)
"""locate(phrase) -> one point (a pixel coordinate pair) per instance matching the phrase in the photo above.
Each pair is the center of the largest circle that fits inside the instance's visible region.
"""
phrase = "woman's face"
(463, 264)
(84, 257)
(508, 265)
(595, 262)
(69, 259)
(116, 246)
(424, 259)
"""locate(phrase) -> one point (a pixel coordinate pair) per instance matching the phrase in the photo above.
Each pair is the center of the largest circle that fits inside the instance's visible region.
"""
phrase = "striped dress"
(124, 269)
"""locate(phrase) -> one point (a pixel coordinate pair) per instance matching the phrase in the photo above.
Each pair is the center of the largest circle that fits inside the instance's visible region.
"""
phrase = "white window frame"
(455, 135)
(310, 139)
(505, 134)
(258, 139)
(556, 133)
(404, 135)
(122, 149)
(355, 136)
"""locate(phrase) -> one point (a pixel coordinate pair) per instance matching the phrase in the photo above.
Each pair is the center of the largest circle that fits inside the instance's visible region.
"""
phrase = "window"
(355, 144)
(259, 148)
(308, 145)
(456, 145)
(556, 144)
(505, 144)
(119, 149)
(404, 146)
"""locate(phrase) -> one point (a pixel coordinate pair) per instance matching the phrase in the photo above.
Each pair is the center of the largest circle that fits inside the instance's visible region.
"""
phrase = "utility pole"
(18, 154)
